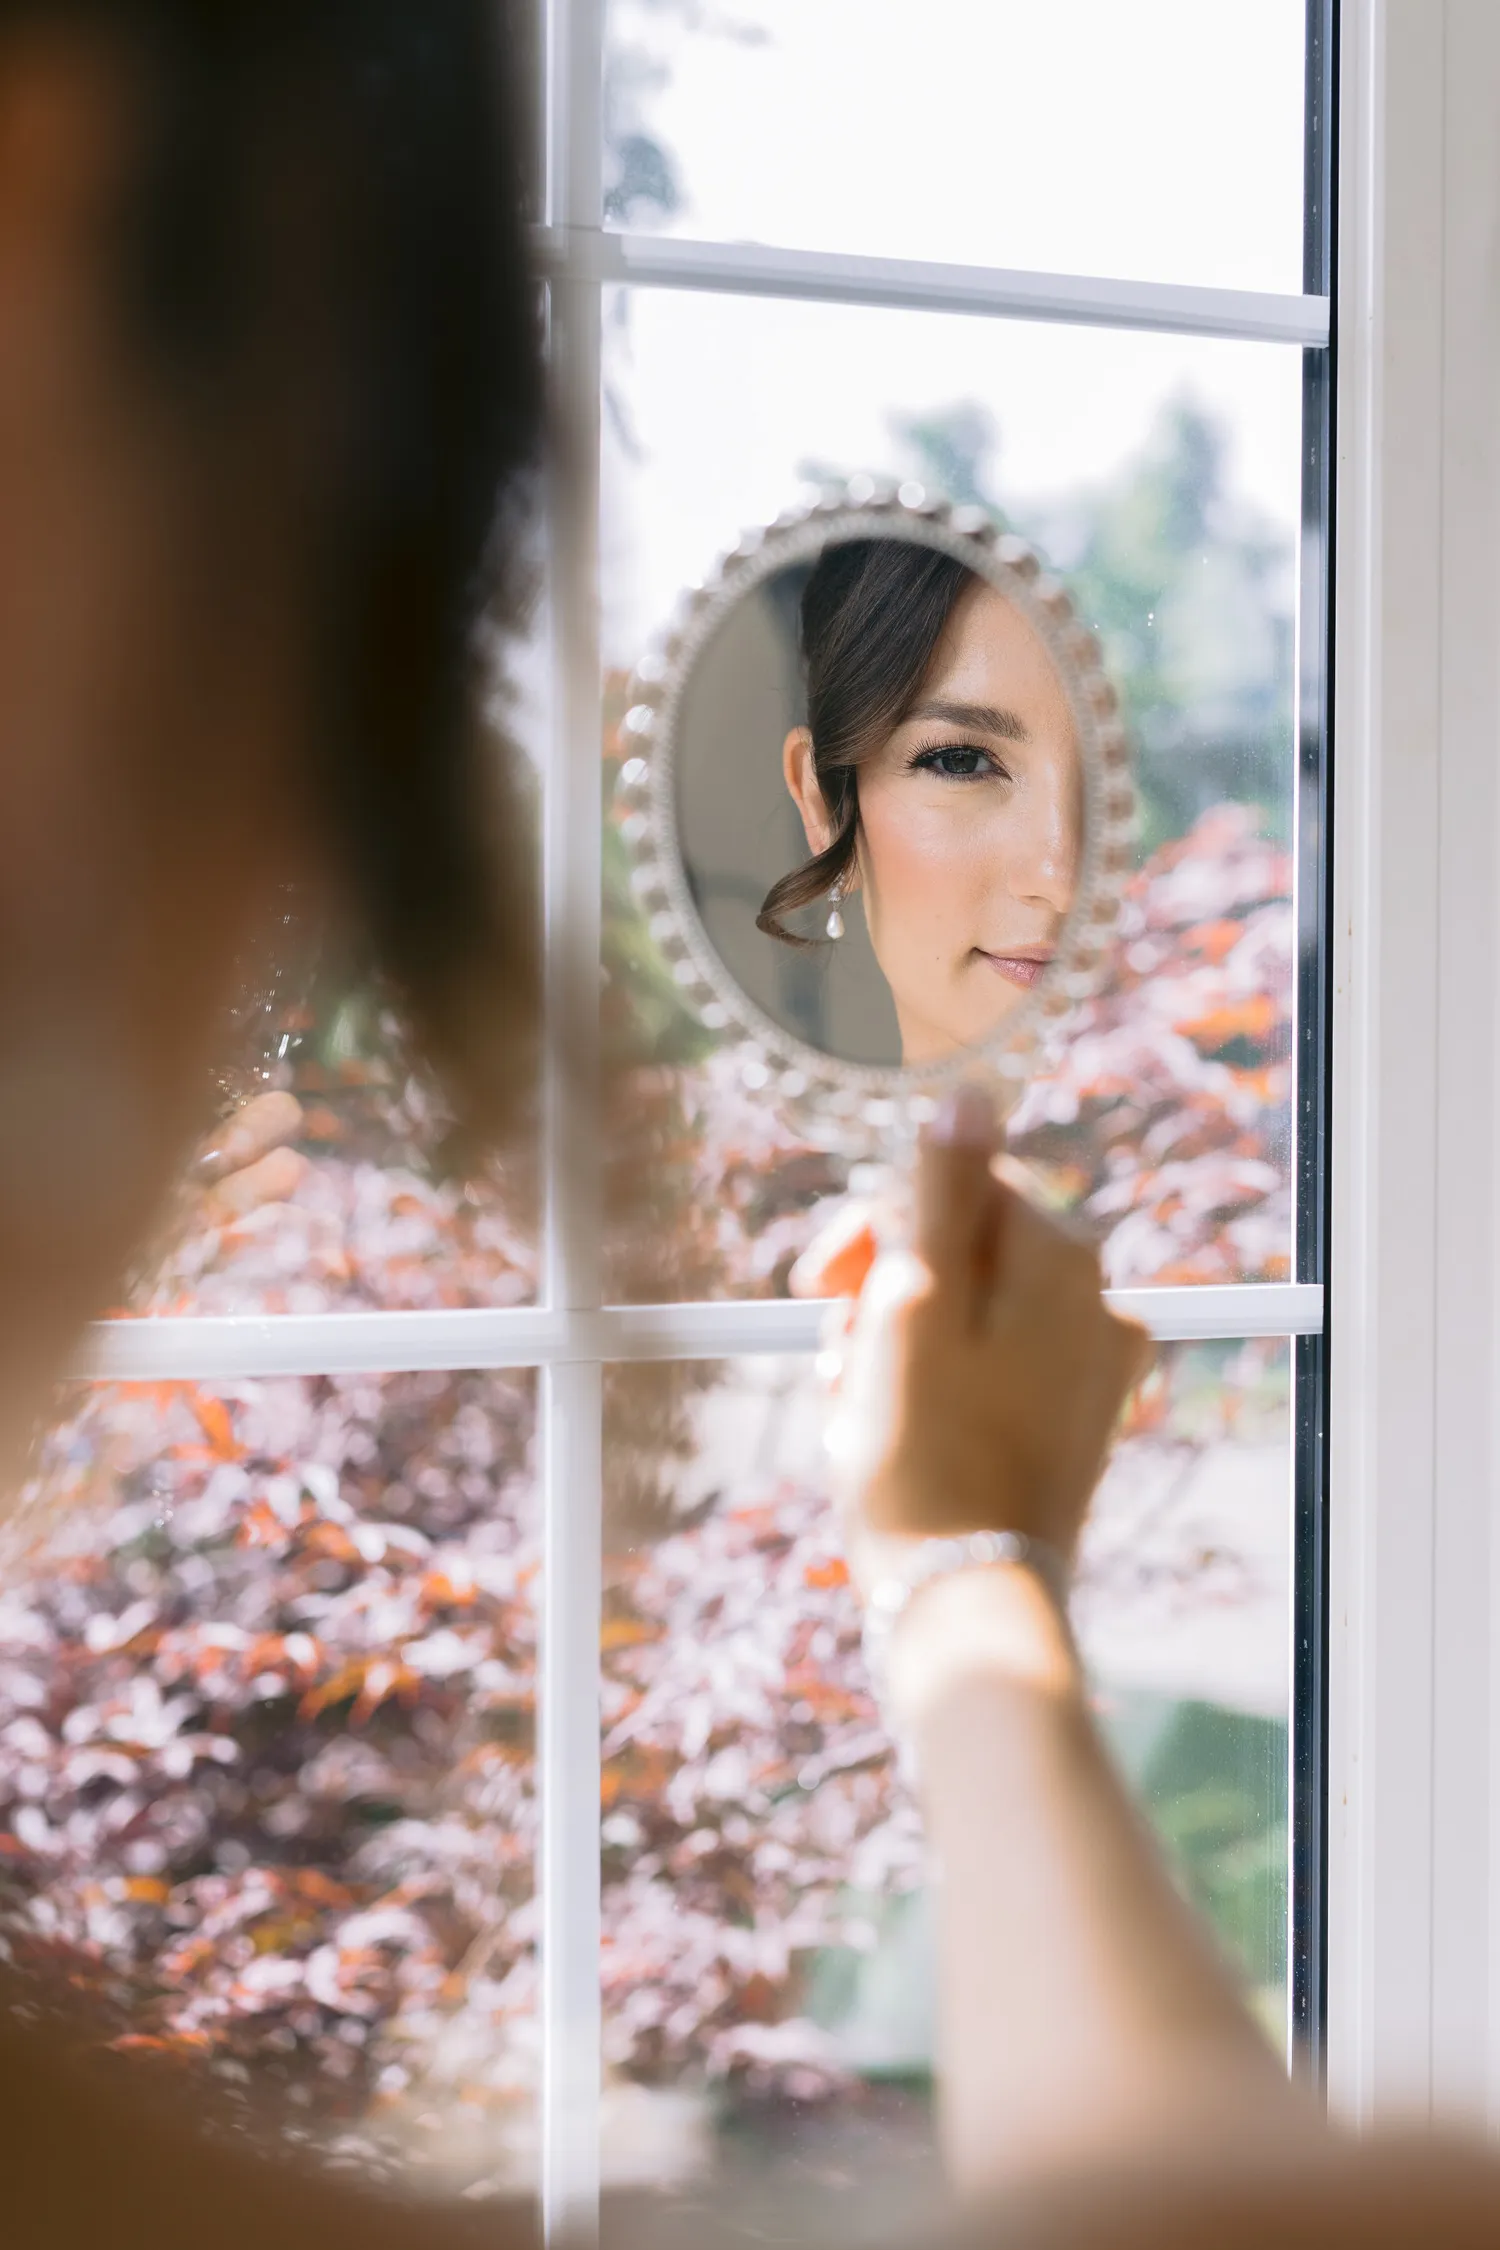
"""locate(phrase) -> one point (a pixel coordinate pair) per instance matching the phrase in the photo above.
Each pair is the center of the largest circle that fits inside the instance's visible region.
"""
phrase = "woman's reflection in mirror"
(938, 780)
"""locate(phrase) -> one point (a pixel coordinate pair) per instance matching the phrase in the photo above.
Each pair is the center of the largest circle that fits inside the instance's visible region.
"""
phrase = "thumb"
(958, 1200)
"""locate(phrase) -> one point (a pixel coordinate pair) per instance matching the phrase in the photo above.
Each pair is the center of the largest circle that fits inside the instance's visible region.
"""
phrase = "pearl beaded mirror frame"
(721, 678)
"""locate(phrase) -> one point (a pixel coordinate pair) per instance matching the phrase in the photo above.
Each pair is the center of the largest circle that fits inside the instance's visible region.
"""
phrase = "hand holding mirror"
(880, 805)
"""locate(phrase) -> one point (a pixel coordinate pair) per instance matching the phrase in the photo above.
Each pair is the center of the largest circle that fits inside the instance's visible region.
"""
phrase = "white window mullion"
(825, 277)
(206, 1348)
(570, 1463)
(570, 1402)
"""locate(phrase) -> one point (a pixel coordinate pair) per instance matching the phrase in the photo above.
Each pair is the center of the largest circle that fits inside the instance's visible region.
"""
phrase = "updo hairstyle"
(871, 616)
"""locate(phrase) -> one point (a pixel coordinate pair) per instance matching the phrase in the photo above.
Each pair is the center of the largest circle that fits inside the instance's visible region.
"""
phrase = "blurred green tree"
(1189, 590)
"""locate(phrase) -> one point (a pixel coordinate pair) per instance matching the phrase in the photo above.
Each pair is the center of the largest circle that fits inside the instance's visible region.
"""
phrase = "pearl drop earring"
(835, 923)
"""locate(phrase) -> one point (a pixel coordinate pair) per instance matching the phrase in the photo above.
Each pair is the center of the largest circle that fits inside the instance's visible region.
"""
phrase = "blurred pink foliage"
(1167, 1116)
(267, 1786)
(748, 1787)
(266, 1717)
(357, 1221)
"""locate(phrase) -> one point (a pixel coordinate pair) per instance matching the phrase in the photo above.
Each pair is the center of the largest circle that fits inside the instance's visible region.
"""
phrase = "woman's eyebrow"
(987, 718)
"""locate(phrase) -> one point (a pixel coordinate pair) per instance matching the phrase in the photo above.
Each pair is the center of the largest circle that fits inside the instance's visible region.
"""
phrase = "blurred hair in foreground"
(271, 423)
(327, 206)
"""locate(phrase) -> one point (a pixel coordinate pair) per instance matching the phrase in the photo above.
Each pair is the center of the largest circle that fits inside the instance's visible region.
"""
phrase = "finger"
(273, 1178)
(267, 1122)
(957, 1199)
(837, 1261)
(1036, 1188)
(1041, 1247)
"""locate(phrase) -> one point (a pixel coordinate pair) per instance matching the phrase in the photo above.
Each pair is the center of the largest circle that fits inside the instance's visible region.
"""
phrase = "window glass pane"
(1160, 475)
(267, 1786)
(1183, 1612)
(355, 1204)
(342, 1186)
(767, 1965)
(1158, 141)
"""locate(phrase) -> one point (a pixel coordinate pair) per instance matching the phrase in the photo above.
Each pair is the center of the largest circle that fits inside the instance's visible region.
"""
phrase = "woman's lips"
(1019, 968)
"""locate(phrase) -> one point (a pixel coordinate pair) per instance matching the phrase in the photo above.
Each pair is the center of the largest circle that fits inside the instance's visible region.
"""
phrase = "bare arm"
(1103, 2086)
(1084, 2009)
(1083, 2004)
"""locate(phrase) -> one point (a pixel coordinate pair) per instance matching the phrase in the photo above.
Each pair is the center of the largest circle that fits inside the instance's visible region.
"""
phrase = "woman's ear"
(801, 777)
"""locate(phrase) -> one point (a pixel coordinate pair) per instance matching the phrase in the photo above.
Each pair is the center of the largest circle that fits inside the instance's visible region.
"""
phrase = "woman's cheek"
(921, 867)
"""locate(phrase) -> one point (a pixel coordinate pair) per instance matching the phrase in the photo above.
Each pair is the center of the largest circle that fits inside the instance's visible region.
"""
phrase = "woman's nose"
(1047, 874)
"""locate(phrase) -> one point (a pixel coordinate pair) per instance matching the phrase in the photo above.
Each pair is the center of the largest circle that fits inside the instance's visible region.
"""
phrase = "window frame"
(1307, 1791)
(1414, 1470)
(570, 1334)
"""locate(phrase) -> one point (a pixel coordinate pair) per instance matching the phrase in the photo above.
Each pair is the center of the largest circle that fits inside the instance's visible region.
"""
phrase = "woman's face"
(970, 815)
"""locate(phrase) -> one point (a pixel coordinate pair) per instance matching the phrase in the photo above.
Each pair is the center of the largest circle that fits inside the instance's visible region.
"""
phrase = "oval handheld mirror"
(880, 806)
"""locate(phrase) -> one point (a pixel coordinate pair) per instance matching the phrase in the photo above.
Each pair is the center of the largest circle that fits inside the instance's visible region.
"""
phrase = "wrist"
(998, 1622)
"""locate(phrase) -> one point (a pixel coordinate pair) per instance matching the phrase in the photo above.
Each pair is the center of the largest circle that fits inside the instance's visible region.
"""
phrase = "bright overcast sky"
(1157, 139)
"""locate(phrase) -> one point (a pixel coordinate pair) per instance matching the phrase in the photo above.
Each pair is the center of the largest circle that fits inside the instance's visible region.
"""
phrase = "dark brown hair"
(872, 614)
(359, 168)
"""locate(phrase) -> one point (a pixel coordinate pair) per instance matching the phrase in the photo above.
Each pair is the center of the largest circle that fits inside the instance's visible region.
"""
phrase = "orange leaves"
(1253, 1018)
(827, 1699)
(441, 1589)
(346, 1681)
(369, 1680)
(758, 2000)
(213, 1420)
(1166, 1119)
(1214, 941)
(838, 1262)
(281, 1933)
(627, 1632)
(320, 1124)
(181, 1408)
(310, 1883)
(760, 1525)
(298, 1655)
(636, 1772)
(212, 1416)
(162, 1396)
(300, 1897)
(260, 1526)
(329, 1540)
(265, 1524)
(821, 1576)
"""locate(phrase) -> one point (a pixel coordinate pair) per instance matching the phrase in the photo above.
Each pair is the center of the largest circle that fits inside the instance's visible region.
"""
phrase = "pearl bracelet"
(939, 1558)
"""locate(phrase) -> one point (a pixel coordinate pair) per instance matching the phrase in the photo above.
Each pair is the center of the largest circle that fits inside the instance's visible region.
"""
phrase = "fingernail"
(965, 1118)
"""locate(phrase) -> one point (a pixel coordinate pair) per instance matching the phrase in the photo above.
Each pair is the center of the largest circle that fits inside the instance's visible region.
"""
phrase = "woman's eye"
(957, 762)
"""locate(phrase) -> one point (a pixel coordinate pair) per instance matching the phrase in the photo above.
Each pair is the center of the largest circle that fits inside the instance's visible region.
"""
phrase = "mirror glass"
(879, 800)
